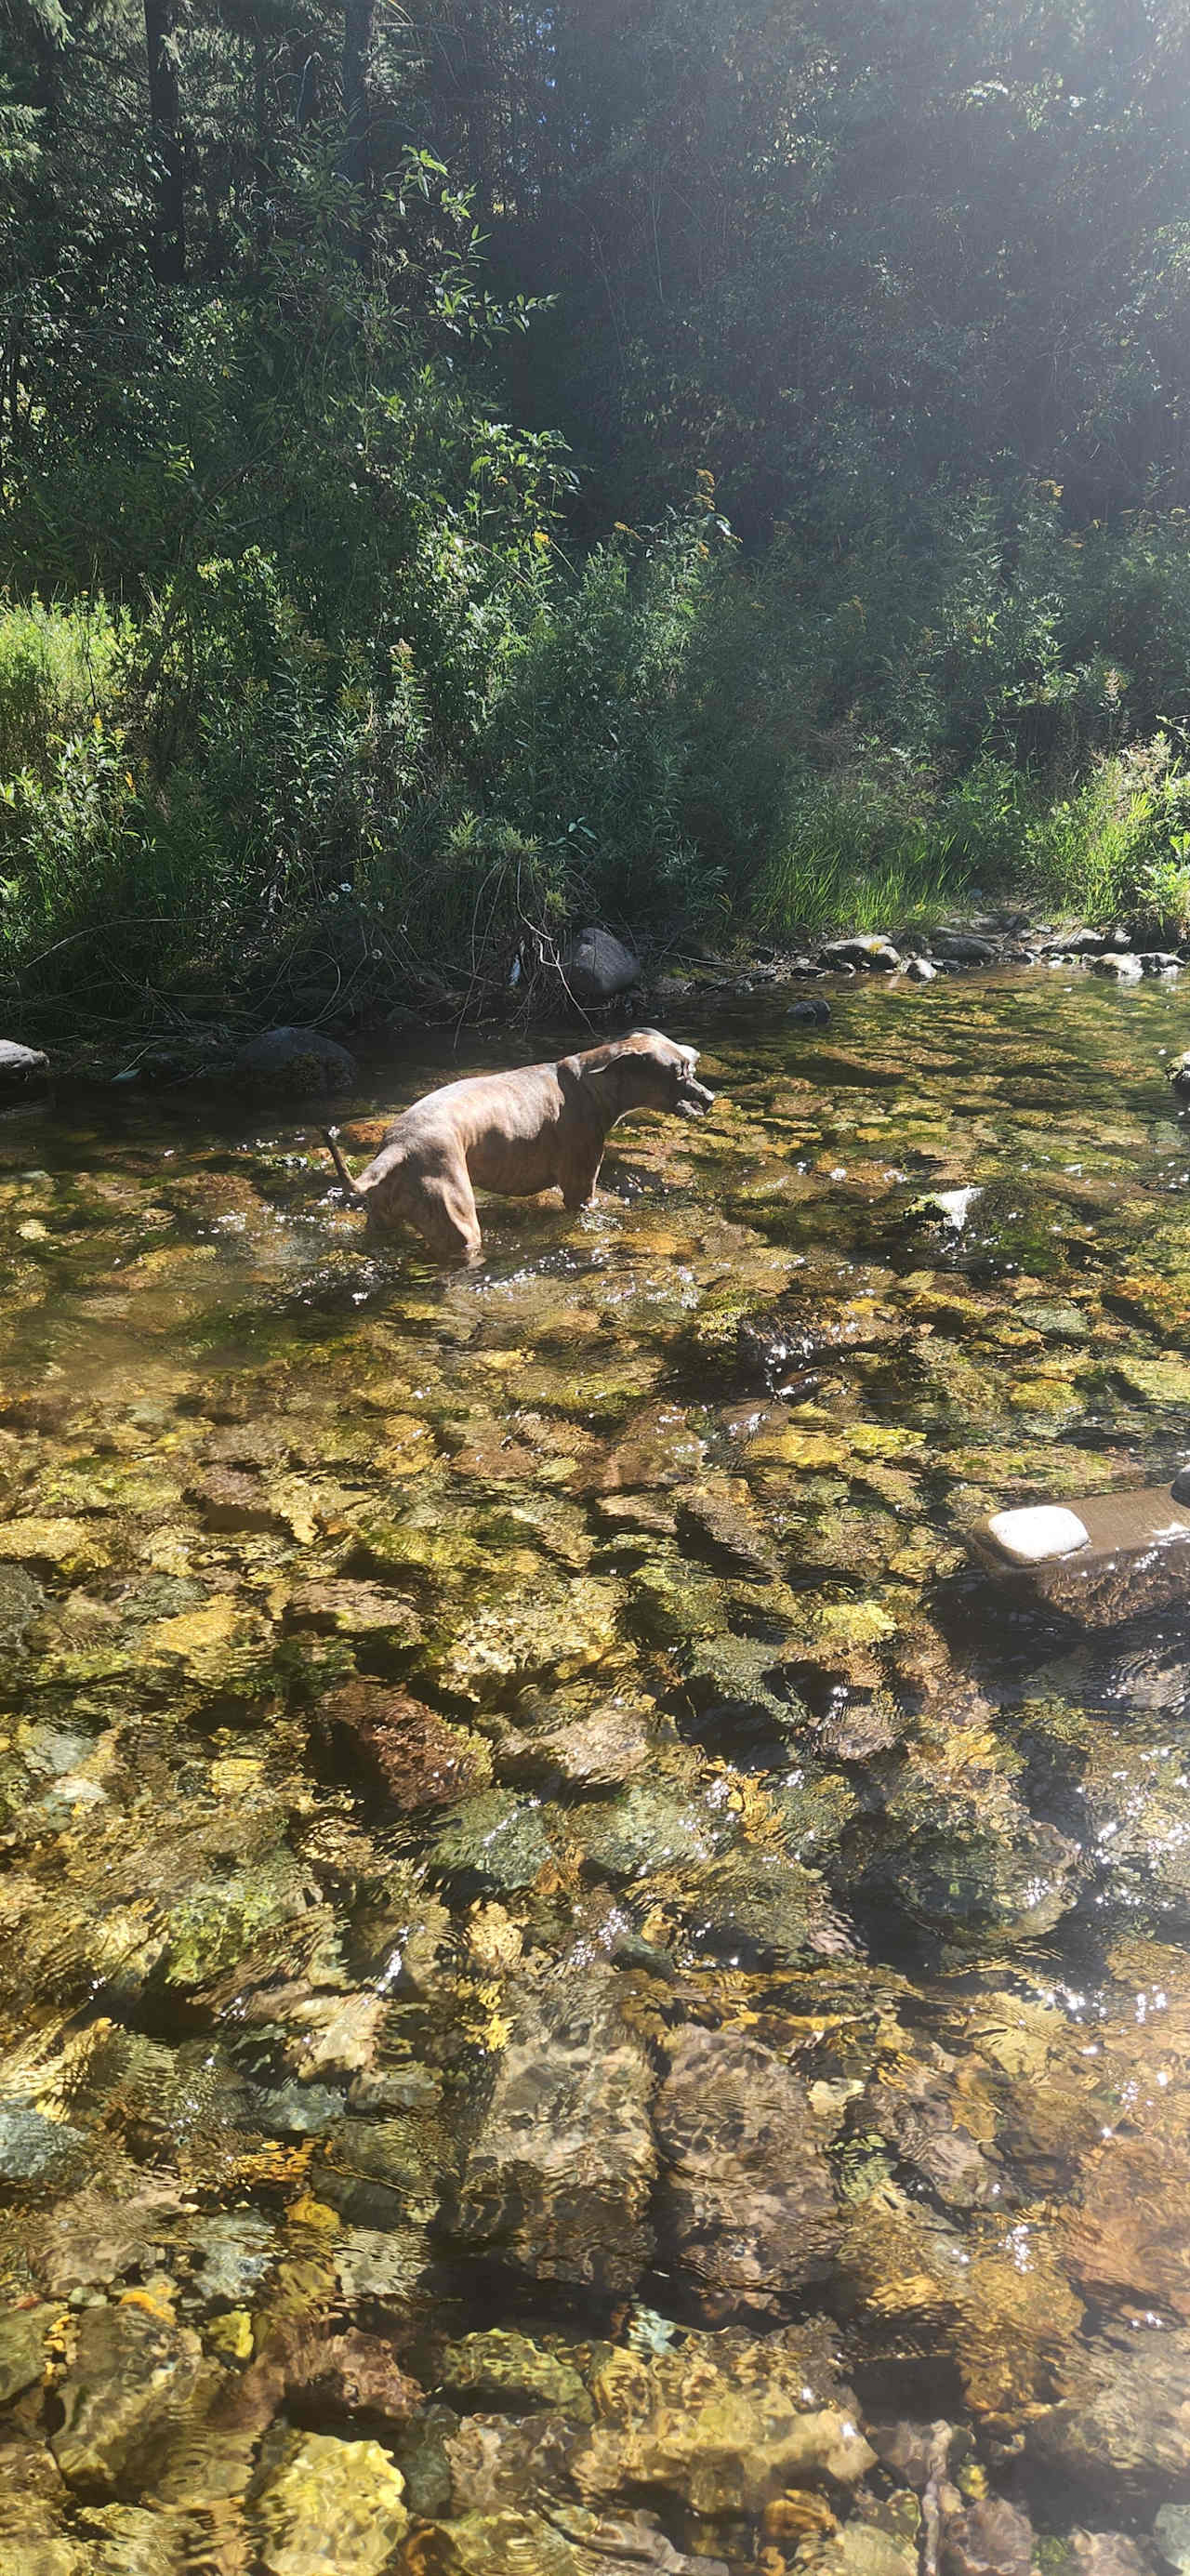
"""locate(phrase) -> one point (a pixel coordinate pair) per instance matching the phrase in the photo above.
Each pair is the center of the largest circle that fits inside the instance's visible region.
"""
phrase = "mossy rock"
(493, 1841)
(651, 1828)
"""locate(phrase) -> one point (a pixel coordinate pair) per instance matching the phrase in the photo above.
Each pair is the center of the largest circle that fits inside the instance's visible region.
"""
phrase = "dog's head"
(649, 1071)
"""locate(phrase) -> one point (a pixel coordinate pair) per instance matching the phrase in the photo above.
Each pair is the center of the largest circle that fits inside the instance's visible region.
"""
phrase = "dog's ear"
(691, 1056)
(606, 1081)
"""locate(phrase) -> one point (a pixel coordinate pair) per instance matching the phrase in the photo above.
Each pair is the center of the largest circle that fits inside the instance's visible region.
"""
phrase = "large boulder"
(22, 1068)
(1088, 943)
(963, 948)
(294, 1061)
(597, 966)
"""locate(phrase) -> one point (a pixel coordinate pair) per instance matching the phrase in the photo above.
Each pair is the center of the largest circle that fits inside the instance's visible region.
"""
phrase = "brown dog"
(543, 1127)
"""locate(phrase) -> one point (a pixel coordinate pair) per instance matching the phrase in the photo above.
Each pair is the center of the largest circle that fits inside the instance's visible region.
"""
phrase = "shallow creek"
(577, 1991)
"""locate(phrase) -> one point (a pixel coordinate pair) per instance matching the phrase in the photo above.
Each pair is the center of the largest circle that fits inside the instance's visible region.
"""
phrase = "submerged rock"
(723, 2424)
(651, 1827)
(745, 2205)
(422, 1760)
(1111, 2553)
(570, 2542)
(129, 2540)
(600, 1750)
(228, 1499)
(990, 2538)
(801, 1332)
(20, 1600)
(1124, 2416)
(1128, 2234)
(331, 2504)
(134, 2377)
(24, 2333)
(34, 2149)
(760, 1909)
(508, 2370)
(561, 2162)
(966, 1857)
(546, 1625)
(1171, 2531)
(859, 2548)
(349, 1609)
(920, 2117)
(494, 1842)
(716, 1522)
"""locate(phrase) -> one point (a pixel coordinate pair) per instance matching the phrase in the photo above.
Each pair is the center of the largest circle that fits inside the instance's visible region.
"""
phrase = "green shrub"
(588, 744)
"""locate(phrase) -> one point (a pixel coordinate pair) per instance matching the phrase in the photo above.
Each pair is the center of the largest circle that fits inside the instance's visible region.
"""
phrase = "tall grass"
(59, 666)
(1117, 848)
(1112, 846)
(881, 845)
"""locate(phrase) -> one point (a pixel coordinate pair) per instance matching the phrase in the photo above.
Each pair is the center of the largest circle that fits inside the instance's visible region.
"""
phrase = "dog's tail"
(351, 1186)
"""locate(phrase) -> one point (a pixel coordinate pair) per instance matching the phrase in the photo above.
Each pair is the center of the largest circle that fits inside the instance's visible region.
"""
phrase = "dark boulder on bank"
(597, 966)
(963, 948)
(294, 1061)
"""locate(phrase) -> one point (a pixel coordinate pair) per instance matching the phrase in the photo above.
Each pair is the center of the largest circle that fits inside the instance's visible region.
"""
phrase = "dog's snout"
(694, 1095)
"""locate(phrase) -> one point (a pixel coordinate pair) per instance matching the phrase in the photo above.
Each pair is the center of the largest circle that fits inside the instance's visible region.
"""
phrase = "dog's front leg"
(444, 1212)
(578, 1181)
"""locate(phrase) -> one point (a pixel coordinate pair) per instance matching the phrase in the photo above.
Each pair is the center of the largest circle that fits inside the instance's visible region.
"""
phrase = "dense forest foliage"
(465, 468)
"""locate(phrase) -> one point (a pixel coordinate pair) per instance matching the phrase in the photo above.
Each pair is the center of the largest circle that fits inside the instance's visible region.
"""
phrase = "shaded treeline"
(463, 466)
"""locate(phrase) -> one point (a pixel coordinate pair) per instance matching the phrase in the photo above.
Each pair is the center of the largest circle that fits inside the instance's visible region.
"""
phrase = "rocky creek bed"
(577, 1991)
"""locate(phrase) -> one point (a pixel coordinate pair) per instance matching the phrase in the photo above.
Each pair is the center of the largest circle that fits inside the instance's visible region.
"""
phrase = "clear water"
(559, 1945)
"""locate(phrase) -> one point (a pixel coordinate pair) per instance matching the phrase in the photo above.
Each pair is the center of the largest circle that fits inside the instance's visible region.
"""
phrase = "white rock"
(1038, 1532)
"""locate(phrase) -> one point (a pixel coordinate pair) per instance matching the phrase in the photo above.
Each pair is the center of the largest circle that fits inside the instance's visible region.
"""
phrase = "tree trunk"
(357, 40)
(168, 248)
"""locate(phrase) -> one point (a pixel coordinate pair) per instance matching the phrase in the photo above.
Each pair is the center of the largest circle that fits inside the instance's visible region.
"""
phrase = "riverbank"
(553, 1007)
